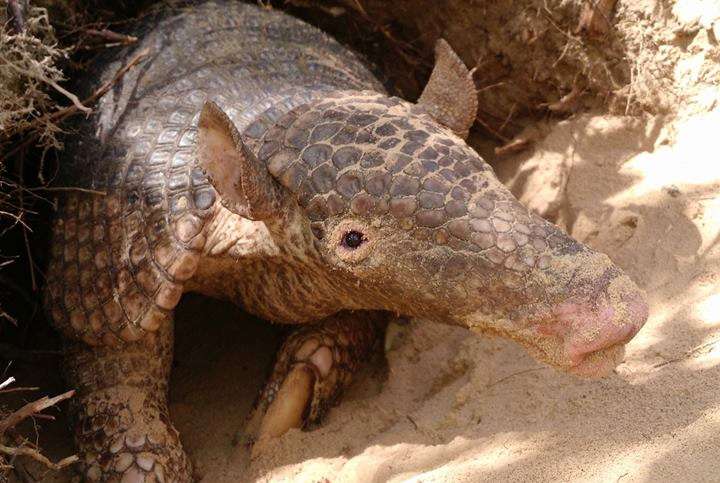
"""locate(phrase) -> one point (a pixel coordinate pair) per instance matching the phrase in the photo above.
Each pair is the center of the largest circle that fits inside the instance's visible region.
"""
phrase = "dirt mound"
(554, 57)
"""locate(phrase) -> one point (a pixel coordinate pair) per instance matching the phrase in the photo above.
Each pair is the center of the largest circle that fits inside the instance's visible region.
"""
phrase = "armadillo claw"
(137, 458)
(287, 410)
(314, 367)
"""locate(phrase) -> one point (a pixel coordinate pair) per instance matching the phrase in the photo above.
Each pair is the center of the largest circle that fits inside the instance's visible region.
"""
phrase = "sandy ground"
(446, 406)
(462, 408)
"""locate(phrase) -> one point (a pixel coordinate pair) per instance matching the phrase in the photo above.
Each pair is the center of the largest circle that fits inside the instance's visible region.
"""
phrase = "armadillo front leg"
(123, 429)
(315, 365)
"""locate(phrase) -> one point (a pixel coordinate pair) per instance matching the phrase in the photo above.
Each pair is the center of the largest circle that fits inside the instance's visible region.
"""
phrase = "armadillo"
(250, 157)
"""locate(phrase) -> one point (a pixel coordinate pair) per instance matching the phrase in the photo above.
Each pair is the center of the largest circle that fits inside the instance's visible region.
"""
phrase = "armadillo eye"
(353, 239)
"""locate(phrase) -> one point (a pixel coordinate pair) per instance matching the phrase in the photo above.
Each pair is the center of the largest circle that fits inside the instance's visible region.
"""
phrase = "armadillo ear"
(450, 96)
(243, 182)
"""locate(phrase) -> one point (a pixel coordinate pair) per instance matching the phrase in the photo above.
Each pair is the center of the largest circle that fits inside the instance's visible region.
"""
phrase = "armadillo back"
(244, 58)
(119, 261)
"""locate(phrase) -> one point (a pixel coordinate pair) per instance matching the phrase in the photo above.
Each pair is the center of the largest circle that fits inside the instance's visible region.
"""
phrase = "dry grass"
(30, 74)
(33, 106)
(29, 70)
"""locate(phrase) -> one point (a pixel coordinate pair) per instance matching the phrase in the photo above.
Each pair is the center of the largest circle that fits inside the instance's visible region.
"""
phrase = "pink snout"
(593, 334)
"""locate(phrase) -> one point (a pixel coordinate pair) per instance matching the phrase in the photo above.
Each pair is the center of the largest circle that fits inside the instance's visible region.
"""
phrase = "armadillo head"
(405, 217)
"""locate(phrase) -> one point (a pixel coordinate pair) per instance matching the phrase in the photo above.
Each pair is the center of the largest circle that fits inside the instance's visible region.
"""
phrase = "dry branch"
(689, 354)
(37, 456)
(567, 103)
(29, 64)
(519, 373)
(16, 16)
(30, 409)
(595, 17)
(494, 132)
(517, 145)
(111, 36)
(6, 383)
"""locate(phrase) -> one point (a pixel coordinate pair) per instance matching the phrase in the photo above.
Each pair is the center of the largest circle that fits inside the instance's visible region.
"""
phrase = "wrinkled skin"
(253, 159)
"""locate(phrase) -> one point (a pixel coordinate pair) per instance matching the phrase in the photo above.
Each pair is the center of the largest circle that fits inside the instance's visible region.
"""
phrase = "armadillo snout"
(591, 327)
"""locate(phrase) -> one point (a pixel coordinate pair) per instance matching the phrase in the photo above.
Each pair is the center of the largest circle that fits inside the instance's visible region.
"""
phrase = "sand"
(453, 407)
(448, 406)
(445, 405)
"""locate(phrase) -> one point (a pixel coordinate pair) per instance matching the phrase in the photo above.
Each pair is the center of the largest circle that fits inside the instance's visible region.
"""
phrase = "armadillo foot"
(137, 455)
(315, 365)
(123, 429)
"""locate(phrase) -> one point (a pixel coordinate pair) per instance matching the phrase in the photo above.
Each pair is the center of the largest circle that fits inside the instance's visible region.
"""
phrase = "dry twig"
(517, 145)
(64, 113)
(692, 352)
(22, 389)
(404, 49)
(595, 17)
(490, 129)
(567, 103)
(39, 75)
(70, 189)
(509, 376)
(29, 61)
(31, 409)
(16, 16)
(111, 36)
(6, 383)
(37, 456)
